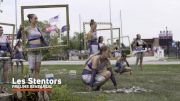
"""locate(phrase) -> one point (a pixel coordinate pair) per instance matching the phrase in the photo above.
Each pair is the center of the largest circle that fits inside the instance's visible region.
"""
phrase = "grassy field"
(164, 80)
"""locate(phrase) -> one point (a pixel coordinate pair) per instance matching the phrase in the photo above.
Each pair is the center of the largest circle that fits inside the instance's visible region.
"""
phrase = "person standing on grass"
(139, 45)
(92, 38)
(98, 70)
(5, 56)
(18, 56)
(34, 40)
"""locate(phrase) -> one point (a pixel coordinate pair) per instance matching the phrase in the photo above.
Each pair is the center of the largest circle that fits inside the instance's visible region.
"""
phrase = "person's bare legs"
(5, 72)
(4, 77)
(137, 59)
(141, 61)
(137, 62)
(31, 61)
(1, 83)
(17, 64)
(107, 77)
(22, 67)
(32, 70)
(12, 66)
(37, 69)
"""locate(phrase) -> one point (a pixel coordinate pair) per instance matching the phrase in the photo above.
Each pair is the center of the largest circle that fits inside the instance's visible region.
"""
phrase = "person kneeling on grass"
(98, 70)
(122, 65)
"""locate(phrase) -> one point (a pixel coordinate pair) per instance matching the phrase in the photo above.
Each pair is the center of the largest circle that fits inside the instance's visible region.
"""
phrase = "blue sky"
(146, 17)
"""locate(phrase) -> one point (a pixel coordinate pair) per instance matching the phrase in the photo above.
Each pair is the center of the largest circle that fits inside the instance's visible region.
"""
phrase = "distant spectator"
(100, 41)
(92, 38)
(139, 45)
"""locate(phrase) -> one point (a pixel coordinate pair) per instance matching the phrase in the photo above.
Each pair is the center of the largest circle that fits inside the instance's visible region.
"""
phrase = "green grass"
(164, 80)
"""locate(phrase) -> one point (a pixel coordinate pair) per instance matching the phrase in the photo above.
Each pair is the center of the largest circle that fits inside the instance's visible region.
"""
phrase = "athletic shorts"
(94, 49)
(33, 58)
(4, 58)
(8, 61)
(98, 79)
(140, 55)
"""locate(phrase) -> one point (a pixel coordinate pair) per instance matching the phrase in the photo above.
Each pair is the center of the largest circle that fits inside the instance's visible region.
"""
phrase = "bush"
(127, 51)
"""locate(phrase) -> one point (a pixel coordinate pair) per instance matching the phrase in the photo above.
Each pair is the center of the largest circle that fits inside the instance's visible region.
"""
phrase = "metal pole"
(167, 42)
(16, 14)
(80, 23)
(84, 33)
(119, 38)
(110, 23)
(1, 11)
(121, 25)
(178, 52)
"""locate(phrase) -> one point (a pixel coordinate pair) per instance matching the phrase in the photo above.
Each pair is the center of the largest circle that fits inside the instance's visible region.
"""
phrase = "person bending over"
(122, 65)
(98, 70)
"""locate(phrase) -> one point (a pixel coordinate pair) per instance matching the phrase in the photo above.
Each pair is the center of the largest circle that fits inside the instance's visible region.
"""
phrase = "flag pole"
(110, 23)
(121, 26)
(80, 23)
(1, 11)
(16, 15)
